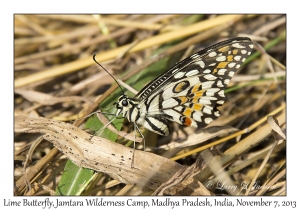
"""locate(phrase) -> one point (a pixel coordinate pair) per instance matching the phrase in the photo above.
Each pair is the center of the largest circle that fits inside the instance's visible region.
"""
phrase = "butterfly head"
(123, 105)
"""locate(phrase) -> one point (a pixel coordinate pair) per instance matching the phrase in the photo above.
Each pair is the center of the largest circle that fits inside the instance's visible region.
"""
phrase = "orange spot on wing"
(183, 99)
(230, 58)
(222, 65)
(179, 87)
(224, 49)
(197, 107)
(196, 88)
(187, 112)
(188, 121)
(199, 93)
(235, 52)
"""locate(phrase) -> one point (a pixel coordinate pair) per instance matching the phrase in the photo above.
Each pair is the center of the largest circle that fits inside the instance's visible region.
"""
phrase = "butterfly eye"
(124, 103)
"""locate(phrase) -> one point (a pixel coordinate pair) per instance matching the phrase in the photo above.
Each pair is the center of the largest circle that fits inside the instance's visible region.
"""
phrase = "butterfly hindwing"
(197, 103)
(190, 92)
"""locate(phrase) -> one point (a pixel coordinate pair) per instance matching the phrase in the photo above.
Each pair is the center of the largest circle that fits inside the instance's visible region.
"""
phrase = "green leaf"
(73, 179)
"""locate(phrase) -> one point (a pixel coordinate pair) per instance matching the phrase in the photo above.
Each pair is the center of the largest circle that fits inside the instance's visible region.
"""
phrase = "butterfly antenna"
(94, 58)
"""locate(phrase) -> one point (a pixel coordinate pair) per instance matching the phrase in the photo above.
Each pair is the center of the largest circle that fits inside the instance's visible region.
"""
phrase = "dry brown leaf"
(100, 154)
(275, 127)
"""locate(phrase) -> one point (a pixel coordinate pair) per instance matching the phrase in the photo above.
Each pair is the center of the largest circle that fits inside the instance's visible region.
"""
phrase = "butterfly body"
(188, 93)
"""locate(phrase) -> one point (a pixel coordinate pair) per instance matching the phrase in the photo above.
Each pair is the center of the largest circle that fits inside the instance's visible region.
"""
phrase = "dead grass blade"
(200, 137)
(47, 99)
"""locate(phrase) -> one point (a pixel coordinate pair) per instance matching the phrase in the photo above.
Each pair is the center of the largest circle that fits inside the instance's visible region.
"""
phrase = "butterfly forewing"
(190, 92)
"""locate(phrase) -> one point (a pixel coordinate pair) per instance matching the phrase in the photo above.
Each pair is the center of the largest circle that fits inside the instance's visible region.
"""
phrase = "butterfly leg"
(136, 129)
(107, 124)
(142, 137)
(132, 159)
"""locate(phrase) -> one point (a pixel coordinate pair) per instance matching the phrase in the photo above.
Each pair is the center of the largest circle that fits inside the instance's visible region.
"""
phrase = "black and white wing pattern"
(190, 92)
